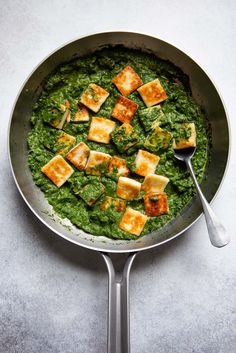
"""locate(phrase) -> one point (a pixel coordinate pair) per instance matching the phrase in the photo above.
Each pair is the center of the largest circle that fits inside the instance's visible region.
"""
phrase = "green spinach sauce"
(67, 83)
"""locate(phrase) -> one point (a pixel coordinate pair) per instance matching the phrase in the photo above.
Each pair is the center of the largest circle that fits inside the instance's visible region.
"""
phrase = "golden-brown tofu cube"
(65, 141)
(91, 192)
(100, 130)
(146, 162)
(128, 188)
(133, 221)
(124, 109)
(97, 163)
(127, 81)
(65, 118)
(124, 137)
(79, 155)
(186, 136)
(154, 183)
(117, 204)
(117, 167)
(93, 97)
(82, 114)
(152, 93)
(57, 170)
(155, 204)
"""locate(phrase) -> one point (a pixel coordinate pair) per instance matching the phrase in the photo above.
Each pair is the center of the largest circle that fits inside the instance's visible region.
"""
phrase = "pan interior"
(203, 92)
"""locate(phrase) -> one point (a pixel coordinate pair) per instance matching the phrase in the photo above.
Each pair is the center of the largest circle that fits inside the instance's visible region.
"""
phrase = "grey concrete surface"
(53, 295)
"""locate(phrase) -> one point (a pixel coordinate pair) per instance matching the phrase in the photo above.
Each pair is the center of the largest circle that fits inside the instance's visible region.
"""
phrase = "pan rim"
(92, 246)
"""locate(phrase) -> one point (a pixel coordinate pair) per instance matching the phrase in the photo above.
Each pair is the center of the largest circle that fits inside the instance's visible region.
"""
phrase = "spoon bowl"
(184, 153)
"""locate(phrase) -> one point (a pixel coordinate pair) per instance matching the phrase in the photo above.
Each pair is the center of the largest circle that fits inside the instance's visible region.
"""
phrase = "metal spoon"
(217, 233)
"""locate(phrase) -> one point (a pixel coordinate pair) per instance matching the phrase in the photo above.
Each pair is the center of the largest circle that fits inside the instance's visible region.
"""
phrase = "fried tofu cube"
(186, 136)
(82, 114)
(112, 209)
(91, 192)
(65, 118)
(93, 97)
(55, 122)
(111, 202)
(124, 110)
(117, 167)
(100, 130)
(133, 221)
(146, 163)
(79, 155)
(128, 188)
(151, 117)
(57, 170)
(155, 183)
(58, 120)
(127, 81)
(59, 112)
(65, 141)
(97, 163)
(155, 204)
(152, 93)
(158, 139)
(124, 137)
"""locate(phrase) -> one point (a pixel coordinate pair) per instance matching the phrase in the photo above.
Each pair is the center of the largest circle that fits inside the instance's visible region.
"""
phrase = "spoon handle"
(217, 233)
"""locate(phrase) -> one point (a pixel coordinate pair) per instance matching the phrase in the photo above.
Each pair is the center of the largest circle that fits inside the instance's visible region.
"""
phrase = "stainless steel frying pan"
(205, 94)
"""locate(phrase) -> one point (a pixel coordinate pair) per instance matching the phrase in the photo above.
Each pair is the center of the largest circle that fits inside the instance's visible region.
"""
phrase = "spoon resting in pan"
(217, 233)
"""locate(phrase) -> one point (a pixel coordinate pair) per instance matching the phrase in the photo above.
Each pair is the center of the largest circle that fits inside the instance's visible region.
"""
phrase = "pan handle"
(118, 340)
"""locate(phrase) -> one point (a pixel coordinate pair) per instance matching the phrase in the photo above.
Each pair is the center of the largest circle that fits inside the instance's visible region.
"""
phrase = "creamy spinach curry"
(102, 137)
